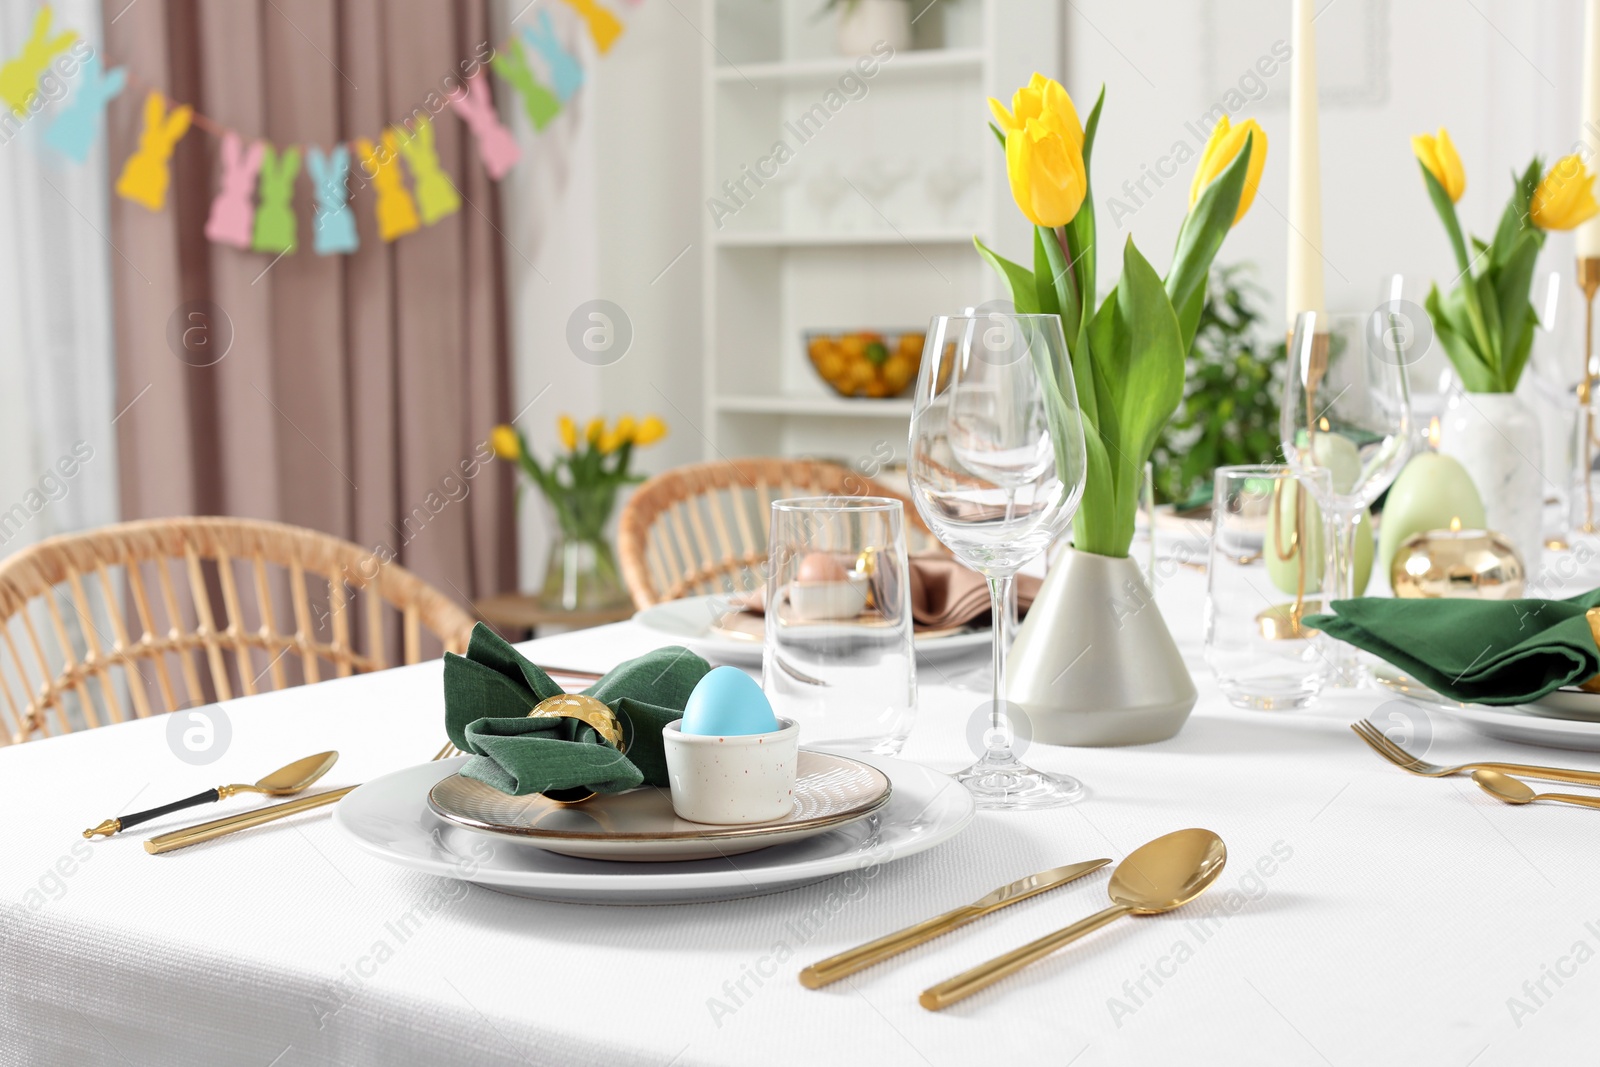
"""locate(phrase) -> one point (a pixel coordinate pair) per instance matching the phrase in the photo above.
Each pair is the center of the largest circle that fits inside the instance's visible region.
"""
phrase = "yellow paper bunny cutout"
(397, 212)
(145, 176)
(19, 77)
(604, 27)
(436, 196)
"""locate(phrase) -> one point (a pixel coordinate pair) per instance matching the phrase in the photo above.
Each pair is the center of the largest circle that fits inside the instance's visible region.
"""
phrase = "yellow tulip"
(569, 433)
(1222, 147)
(1565, 197)
(650, 431)
(505, 442)
(626, 428)
(1438, 153)
(1044, 152)
(610, 441)
(596, 427)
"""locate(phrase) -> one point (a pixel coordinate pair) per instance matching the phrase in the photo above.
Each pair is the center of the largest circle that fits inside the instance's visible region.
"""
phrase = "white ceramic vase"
(1497, 438)
(864, 23)
(1094, 663)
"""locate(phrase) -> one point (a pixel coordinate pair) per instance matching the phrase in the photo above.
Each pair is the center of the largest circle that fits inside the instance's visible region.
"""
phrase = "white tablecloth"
(1365, 916)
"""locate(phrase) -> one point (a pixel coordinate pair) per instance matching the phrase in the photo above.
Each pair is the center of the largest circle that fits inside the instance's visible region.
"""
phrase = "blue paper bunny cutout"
(334, 227)
(75, 128)
(565, 72)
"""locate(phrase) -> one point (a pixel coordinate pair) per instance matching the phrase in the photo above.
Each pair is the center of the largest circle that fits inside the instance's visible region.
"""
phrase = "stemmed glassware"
(997, 469)
(1346, 410)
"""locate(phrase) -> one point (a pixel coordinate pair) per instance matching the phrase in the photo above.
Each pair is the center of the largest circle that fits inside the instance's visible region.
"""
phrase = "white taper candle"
(1304, 290)
(1588, 234)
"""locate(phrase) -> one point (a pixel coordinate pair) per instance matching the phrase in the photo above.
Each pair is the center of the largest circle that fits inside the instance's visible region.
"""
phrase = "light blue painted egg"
(727, 702)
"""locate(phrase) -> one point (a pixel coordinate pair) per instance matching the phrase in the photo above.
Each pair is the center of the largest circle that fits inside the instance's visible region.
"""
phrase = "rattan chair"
(194, 590)
(702, 529)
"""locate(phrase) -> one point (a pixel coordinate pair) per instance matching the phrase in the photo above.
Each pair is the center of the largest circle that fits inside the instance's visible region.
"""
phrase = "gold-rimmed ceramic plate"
(640, 826)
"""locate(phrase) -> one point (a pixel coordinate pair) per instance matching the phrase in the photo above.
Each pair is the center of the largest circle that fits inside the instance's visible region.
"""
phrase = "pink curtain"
(358, 389)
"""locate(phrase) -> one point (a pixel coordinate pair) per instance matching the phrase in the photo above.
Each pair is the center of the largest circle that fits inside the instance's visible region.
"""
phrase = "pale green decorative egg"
(1431, 491)
(1285, 573)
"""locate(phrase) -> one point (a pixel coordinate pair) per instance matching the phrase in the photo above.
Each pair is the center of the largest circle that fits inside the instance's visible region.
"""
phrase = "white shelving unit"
(818, 236)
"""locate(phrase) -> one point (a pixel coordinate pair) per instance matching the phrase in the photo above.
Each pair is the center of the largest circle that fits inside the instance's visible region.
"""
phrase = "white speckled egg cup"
(745, 778)
(818, 601)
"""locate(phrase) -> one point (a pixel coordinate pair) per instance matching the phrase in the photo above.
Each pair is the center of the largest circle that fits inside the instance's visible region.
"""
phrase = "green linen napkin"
(1474, 651)
(489, 692)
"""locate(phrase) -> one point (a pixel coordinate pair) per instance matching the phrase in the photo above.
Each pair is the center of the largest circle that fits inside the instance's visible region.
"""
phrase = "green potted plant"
(1094, 663)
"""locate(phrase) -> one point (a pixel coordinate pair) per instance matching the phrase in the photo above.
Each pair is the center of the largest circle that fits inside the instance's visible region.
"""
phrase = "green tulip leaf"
(1447, 214)
(1052, 275)
(1081, 230)
(1202, 234)
(1151, 352)
(1513, 279)
(1017, 278)
(1049, 298)
(1475, 375)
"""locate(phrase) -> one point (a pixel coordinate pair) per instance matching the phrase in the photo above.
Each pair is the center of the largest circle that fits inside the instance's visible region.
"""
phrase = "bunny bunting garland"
(254, 206)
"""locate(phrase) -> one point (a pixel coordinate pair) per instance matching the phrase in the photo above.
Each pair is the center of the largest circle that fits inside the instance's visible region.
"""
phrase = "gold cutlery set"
(1157, 877)
(1496, 779)
(285, 781)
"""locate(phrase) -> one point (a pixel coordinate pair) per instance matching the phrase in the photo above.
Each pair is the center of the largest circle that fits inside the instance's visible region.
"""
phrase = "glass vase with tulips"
(580, 483)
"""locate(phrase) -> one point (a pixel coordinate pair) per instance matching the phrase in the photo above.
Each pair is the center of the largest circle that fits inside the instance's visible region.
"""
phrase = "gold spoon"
(1157, 876)
(1516, 791)
(285, 781)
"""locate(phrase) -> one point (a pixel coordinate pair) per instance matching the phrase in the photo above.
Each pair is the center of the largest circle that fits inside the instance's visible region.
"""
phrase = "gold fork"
(1407, 762)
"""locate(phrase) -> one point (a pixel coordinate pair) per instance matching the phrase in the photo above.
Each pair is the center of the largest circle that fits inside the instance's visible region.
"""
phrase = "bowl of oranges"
(866, 363)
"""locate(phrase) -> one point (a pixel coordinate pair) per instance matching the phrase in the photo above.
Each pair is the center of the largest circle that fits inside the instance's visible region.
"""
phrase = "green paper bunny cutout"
(436, 195)
(275, 223)
(540, 103)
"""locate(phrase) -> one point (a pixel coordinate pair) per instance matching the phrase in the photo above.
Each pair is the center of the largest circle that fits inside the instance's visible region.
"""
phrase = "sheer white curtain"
(58, 461)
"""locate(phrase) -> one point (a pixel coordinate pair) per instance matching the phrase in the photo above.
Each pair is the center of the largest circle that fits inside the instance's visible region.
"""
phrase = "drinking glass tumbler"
(838, 656)
(1267, 568)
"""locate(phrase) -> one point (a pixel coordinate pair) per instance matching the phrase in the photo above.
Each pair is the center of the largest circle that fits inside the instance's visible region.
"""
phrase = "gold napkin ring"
(1592, 617)
(589, 711)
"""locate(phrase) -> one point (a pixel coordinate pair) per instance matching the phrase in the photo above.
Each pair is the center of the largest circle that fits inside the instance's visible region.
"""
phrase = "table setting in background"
(868, 804)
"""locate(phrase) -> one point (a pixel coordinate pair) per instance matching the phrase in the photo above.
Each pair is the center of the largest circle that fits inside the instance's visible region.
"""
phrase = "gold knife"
(847, 963)
(193, 835)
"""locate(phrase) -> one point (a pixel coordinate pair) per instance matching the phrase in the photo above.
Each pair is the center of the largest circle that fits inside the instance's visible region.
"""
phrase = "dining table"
(1365, 916)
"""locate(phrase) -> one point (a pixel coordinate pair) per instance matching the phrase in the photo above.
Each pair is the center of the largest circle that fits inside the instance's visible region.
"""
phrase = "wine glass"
(997, 469)
(1347, 410)
(1399, 320)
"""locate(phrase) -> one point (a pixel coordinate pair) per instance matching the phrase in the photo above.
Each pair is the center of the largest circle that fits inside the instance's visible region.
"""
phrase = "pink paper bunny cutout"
(233, 212)
(496, 147)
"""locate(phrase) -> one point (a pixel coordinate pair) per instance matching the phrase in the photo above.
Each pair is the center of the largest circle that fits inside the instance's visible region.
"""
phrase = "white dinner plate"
(1518, 724)
(689, 621)
(639, 826)
(390, 818)
(1566, 704)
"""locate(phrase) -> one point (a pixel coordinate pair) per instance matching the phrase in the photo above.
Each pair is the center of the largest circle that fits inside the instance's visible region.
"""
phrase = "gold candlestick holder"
(1589, 283)
(1284, 622)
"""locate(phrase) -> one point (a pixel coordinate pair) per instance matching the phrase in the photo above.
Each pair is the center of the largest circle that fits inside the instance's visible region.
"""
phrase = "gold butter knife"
(193, 835)
(847, 963)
